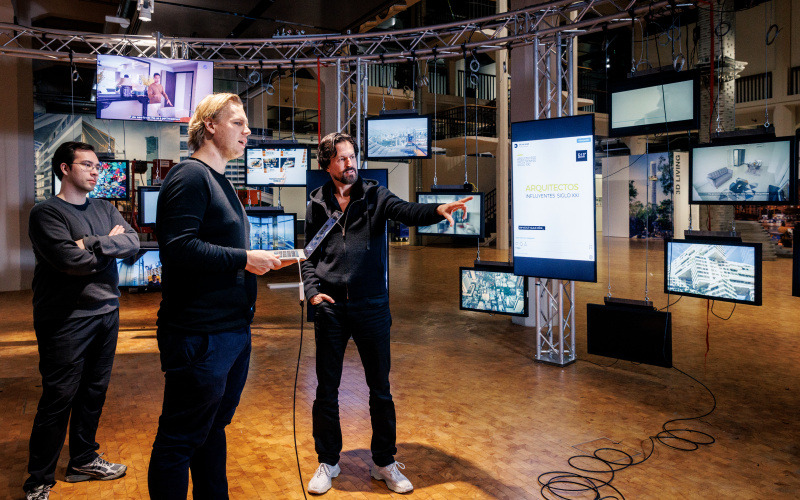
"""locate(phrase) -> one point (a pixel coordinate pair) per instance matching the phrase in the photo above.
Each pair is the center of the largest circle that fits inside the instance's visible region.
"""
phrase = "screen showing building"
(713, 270)
(492, 291)
(143, 270)
(398, 137)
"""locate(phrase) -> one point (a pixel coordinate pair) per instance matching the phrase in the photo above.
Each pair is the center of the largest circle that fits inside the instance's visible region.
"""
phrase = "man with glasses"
(76, 241)
(345, 280)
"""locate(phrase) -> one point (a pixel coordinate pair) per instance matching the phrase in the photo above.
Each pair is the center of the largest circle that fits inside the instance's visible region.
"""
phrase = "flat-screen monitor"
(271, 231)
(727, 271)
(277, 164)
(638, 334)
(796, 265)
(318, 178)
(743, 172)
(142, 271)
(469, 224)
(554, 199)
(662, 102)
(112, 181)
(148, 204)
(151, 89)
(398, 137)
(495, 290)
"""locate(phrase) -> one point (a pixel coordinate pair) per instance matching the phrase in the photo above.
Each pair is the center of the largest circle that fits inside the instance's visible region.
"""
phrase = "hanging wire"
(647, 215)
(435, 123)
(465, 116)
(294, 95)
(767, 43)
(280, 75)
(607, 214)
(474, 67)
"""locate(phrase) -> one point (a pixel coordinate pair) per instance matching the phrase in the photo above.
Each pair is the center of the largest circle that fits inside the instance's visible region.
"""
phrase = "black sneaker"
(41, 492)
(98, 468)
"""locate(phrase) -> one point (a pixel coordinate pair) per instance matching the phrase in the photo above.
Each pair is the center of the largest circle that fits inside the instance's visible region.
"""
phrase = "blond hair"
(210, 107)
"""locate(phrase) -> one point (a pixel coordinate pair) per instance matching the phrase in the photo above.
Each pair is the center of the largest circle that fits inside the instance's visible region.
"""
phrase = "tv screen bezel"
(493, 269)
(266, 215)
(758, 276)
(148, 287)
(282, 146)
(140, 204)
(409, 116)
(459, 195)
(743, 141)
(127, 182)
(641, 82)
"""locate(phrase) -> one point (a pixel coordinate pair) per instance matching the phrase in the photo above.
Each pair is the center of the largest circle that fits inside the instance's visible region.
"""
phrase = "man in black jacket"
(345, 280)
(76, 241)
(208, 301)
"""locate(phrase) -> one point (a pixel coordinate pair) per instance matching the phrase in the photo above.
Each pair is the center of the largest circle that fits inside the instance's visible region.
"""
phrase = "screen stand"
(554, 312)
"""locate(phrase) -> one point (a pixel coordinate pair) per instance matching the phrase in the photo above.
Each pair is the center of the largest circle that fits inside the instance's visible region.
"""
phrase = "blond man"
(208, 302)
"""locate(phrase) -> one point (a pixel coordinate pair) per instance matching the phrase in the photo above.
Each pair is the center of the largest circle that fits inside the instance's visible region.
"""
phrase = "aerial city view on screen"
(492, 291)
(712, 270)
(398, 138)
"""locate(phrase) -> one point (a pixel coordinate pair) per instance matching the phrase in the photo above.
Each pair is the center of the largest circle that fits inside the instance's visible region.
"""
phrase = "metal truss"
(555, 324)
(553, 74)
(543, 22)
(351, 109)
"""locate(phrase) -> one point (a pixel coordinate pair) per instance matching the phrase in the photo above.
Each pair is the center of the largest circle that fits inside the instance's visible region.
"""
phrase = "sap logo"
(581, 155)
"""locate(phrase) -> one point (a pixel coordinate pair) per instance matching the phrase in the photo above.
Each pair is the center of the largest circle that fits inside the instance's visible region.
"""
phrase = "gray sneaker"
(395, 479)
(98, 468)
(41, 492)
(321, 482)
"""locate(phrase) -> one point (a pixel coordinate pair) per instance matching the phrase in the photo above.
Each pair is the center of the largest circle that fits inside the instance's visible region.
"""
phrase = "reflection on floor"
(477, 417)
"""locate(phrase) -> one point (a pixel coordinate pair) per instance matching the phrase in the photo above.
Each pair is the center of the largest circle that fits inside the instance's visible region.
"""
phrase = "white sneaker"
(321, 482)
(395, 480)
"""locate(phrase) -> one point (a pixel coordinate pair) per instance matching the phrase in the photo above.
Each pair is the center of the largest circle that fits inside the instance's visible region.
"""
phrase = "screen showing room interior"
(272, 232)
(713, 270)
(492, 291)
(742, 173)
(465, 224)
(276, 166)
(397, 138)
(151, 89)
(553, 198)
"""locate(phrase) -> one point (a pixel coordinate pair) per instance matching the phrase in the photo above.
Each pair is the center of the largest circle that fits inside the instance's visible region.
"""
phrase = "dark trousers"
(367, 320)
(75, 360)
(204, 377)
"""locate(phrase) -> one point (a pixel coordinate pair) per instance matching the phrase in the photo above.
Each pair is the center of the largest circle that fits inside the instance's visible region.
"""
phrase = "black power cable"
(296, 375)
(565, 484)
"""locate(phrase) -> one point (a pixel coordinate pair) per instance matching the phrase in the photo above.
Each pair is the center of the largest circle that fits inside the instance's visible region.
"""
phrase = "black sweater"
(203, 236)
(70, 282)
(350, 262)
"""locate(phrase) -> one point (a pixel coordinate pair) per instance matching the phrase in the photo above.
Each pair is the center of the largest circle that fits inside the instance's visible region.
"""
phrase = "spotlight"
(146, 10)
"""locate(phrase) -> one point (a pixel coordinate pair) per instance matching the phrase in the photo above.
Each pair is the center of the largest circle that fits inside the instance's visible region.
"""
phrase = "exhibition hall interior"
(612, 315)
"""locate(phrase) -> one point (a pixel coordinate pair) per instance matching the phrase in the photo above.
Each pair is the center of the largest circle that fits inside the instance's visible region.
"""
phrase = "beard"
(347, 177)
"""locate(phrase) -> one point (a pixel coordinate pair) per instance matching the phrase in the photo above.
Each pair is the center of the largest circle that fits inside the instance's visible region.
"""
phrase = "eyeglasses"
(89, 166)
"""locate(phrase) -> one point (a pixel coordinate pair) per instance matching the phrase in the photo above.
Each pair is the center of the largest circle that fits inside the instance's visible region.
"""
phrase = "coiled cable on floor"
(566, 484)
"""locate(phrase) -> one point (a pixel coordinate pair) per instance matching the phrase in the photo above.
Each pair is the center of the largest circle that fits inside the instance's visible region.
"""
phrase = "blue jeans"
(75, 360)
(204, 377)
(368, 321)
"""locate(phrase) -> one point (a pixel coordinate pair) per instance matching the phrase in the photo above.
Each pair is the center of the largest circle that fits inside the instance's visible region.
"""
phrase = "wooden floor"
(477, 417)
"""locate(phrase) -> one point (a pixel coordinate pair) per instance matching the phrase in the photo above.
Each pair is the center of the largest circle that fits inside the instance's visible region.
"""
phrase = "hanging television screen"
(277, 164)
(553, 198)
(657, 103)
(318, 178)
(398, 137)
(466, 224)
(112, 181)
(151, 89)
(142, 270)
(710, 269)
(147, 205)
(496, 291)
(743, 172)
(274, 231)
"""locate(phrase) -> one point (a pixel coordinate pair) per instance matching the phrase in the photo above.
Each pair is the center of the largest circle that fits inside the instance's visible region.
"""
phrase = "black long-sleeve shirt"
(350, 261)
(203, 237)
(74, 282)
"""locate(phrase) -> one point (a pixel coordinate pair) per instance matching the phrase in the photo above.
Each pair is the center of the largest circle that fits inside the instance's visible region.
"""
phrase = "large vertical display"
(553, 198)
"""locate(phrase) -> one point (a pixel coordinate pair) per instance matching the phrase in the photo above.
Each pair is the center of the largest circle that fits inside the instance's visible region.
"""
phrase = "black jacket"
(351, 261)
